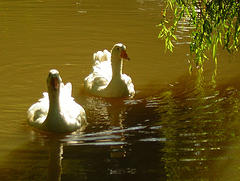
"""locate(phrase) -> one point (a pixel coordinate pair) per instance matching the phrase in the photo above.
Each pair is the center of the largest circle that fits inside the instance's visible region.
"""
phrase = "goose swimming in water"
(57, 111)
(107, 79)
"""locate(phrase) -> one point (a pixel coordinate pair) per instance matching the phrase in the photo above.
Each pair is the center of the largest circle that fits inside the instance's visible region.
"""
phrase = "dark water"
(177, 127)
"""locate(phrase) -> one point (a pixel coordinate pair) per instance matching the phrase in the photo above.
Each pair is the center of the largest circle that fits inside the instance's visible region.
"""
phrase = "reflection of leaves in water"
(188, 131)
(197, 121)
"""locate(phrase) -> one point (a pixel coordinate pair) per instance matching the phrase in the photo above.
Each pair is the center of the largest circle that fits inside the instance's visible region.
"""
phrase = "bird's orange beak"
(55, 83)
(124, 55)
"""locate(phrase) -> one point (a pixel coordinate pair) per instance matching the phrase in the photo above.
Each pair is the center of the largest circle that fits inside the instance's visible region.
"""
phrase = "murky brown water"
(178, 127)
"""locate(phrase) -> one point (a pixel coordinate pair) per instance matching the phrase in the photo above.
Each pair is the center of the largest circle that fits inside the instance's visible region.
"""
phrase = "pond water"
(177, 127)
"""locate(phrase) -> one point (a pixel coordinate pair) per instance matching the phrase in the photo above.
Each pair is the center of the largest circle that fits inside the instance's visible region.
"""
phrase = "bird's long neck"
(54, 106)
(117, 65)
(54, 115)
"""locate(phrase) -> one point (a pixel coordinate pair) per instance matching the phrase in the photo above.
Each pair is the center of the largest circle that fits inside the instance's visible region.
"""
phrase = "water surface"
(177, 127)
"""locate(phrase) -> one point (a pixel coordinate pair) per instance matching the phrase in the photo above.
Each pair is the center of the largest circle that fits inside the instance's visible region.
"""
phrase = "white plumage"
(107, 79)
(57, 111)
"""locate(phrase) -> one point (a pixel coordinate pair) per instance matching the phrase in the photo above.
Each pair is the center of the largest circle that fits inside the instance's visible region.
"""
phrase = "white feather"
(98, 82)
(70, 117)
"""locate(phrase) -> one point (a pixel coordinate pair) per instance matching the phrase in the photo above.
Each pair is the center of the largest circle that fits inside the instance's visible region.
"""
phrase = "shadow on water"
(189, 130)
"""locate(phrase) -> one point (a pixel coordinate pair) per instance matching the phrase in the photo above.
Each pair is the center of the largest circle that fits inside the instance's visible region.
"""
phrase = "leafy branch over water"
(213, 22)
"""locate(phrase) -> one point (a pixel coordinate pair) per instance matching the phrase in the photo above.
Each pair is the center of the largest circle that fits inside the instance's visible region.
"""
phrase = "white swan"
(57, 111)
(107, 79)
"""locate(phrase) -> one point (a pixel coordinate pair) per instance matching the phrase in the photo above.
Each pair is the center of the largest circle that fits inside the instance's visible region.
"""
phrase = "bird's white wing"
(37, 112)
(102, 71)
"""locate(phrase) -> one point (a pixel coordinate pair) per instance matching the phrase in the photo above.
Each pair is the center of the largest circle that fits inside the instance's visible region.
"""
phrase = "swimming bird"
(107, 79)
(57, 111)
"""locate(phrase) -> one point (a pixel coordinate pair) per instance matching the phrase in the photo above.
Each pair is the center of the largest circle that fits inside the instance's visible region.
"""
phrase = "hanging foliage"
(213, 22)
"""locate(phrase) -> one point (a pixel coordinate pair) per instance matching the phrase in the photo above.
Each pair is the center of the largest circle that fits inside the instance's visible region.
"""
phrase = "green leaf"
(214, 23)
(174, 36)
(214, 50)
(215, 60)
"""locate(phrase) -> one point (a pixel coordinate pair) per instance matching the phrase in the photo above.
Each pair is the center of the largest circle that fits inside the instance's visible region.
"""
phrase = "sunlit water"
(177, 127)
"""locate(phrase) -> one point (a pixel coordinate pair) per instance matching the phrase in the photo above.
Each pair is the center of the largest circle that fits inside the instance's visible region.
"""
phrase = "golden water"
(178, 127)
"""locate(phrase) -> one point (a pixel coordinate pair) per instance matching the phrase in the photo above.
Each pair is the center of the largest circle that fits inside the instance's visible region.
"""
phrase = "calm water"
(178, 126)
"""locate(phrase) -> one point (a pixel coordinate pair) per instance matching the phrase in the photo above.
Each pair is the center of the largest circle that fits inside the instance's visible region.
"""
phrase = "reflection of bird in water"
(107, 79)
(55, 159)
(116, 111)
(57, 111)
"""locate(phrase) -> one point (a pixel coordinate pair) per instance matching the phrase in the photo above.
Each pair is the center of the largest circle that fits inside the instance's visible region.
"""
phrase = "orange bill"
(124, 55)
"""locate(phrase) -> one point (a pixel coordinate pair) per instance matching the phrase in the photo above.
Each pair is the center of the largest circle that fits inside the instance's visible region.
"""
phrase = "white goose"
(107, 79)
(57, 111)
